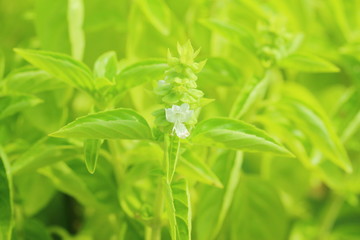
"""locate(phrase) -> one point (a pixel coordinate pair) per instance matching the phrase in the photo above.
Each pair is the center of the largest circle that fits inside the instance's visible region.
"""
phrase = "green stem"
(330, 216)
(159, 206)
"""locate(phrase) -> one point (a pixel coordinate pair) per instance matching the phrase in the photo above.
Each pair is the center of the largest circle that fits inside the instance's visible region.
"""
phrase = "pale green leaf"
(248, 96)
(258, 209)
(235, 134)
(112, 124)
(106, 66)
(220, 71)
(60, 66)
(303, 109)
(173, 149)
(11, 104)
(308, 63)
(45, 152)
(234, 33)
(30, 80)
(229, 193)
(179, 209)
(194, 168)
(91, 150)
(75, 17)
(6, 204)
(158, 14)
(139, 73)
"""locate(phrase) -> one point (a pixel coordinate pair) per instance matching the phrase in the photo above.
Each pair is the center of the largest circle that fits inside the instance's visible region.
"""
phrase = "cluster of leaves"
(275, 156)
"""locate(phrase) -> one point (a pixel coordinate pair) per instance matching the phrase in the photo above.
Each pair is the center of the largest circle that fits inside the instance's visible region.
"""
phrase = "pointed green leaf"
(194, 168)
(303, 109)
(172, 156)
(6, 205)
(308, 63)
(139, 73)
(347, 116)
(248, 96)
(11, 104)
(30, 80)
(220, 71)
(229, 193)
(112, 124)
(91, 149)
(158, 14)
(61, 66)
(106, 66)
(234, 33)
(235, 134)
(45, 152)
(179, 209)
(67, 181)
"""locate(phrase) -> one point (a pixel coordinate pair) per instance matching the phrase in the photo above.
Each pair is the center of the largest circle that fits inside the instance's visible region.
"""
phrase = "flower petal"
(181, 130)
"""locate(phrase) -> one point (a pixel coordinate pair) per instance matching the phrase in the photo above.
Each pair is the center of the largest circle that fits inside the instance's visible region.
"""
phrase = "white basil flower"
(179, 115)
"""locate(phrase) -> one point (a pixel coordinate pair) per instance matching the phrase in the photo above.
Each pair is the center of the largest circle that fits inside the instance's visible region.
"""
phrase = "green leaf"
(66, 180)
(173, 149)
(6, 205)
(112, 124)
(11, 104)
(139, 73)
(229, 193)
(303, 109)
(106, 66)
(75, 17)
(194, 168)
(308, 63)
(347, 116)
(61, 66)
(30, 80)
(219, 71)
(248, 96)
(29, 187)
(179, 209)
(32, 229)
(232, 32)
(256, 204)
(91, 149)
(158, 14)
(45, 152)
(235, 134)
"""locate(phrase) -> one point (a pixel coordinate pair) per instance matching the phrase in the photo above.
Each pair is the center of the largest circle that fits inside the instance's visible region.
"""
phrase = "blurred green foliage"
(275, 153)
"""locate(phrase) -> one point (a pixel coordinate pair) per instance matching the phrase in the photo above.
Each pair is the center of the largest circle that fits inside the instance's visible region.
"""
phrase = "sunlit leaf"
(30, 80)
(106, 66)
(192, 167)
(158, 14)
(112, 124)
(139, 73)
(248, 96)
(61, 66)
(303, 109)
(91, 150)
(11, 104)
(179, 209)
(308, 63)
(234, 134)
